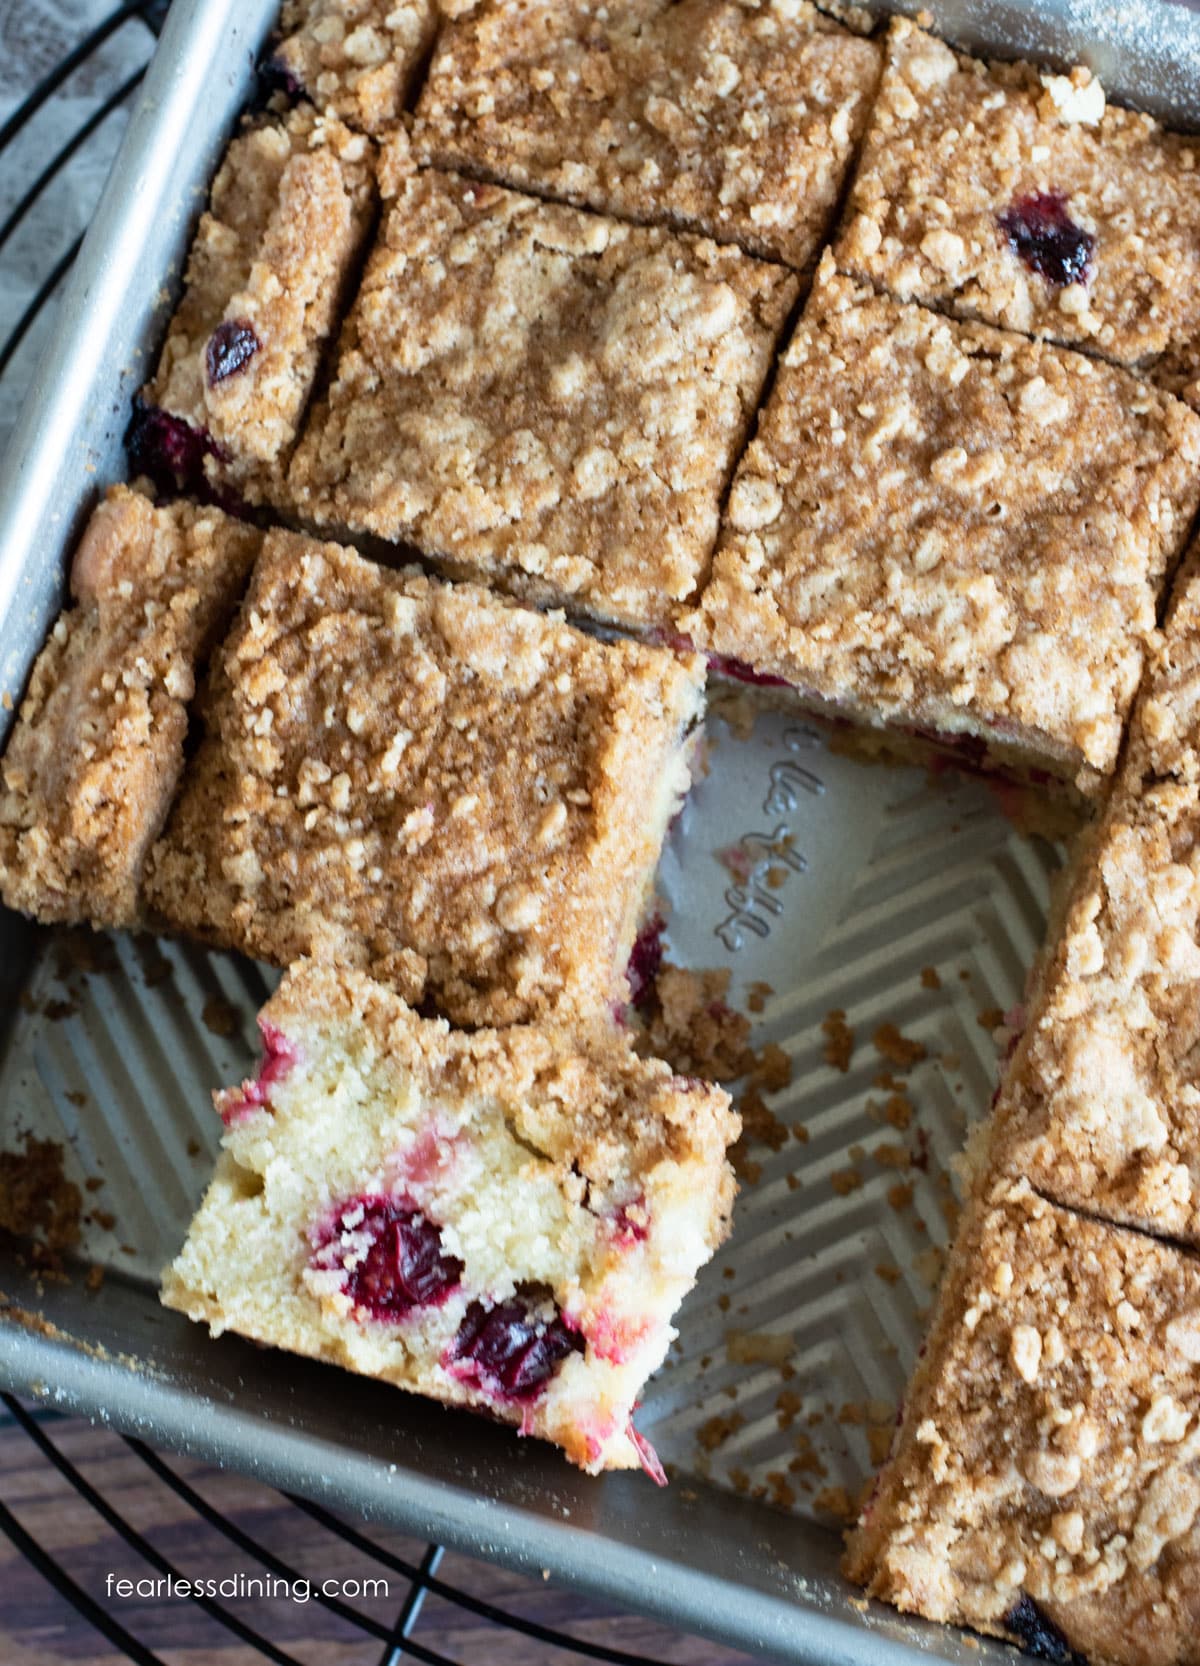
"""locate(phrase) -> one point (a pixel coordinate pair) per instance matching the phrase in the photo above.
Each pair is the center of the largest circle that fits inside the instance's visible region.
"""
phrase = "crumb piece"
(845, 1181)
(717, 1430)
(898, 1049)
(930, 978)
(690, 1024)
(219, 1016)
(38, 1202)
(839, 1040)
(759, 1347)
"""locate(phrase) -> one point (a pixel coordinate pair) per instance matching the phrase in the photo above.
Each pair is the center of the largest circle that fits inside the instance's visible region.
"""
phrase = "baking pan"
(910, 904)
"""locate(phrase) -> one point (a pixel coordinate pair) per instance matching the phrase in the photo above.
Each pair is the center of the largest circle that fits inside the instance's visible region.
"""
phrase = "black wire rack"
(326, 1538)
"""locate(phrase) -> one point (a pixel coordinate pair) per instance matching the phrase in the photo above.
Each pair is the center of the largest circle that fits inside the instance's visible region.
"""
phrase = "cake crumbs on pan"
(718, 1429)
(839, 1040)
(759, 1347)
(898, 1049)
(38, 1202)
(689, 1023)
(219, 1017)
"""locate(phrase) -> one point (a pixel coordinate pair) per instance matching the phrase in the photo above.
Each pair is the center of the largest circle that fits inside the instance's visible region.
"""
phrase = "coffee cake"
(505, 1220)
(546, 399)
(732, 120)
(95, 755)
(953, 529)
(354, 59)
(266, 278)
(1100, 1104)
(425, 779)
(1044, 1484)
(1022, 198)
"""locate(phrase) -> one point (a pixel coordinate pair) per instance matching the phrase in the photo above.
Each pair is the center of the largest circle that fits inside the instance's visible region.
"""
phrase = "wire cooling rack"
(48, 191)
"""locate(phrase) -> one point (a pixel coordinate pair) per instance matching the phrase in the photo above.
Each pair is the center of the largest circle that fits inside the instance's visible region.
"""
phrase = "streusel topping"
(734, 120)
(951, 525)
(428, 780)
(548, 399)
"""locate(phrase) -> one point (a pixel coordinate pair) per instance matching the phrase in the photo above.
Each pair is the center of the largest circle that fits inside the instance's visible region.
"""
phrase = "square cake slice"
(463, 795)
(1044, 1484)
(955, 531)
(95, 755)
(355, 59)
(1022, 199)
(1100, 1104)
(266, 278)
(543, 398)
(732, 120)
(505, 1220)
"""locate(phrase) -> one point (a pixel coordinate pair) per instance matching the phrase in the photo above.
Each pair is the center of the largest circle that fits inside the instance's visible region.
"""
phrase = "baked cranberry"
(166, 448)
(230, 348)
(1042, 234)
(645, 960)
(740, 672)
(1039, 1636)
(514, 1348)
(404, 1266)
(631, 1222)
(279, 1055)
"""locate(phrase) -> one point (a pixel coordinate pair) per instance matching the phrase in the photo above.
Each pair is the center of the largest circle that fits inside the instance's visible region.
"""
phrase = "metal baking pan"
(839, 884)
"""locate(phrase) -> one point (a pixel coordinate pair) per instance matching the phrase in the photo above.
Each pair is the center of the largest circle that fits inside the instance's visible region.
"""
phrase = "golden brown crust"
(356, 58)
(464, 795)
(948, 525)
(1100, 1105)
(954, 142)
(97, 749)
(731, 120)
(544, 398)
(1050, 1445)
(290, 207)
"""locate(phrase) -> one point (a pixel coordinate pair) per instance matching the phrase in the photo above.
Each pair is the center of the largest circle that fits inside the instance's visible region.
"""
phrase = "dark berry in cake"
(274, 76)
(230, 348)
(404, 1267)
(1042, 234)
(166, 448)
(645, 960)
(1039, 1636)
(514, 1348)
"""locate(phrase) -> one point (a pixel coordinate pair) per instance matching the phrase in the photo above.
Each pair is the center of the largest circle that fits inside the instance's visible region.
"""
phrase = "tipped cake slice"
(504, 1220)
(355, 59)
(1044, 1484)
(954, 532)
(1022, 198)
(266, 277)
(97, 749)
(466, 797)
(736, 121)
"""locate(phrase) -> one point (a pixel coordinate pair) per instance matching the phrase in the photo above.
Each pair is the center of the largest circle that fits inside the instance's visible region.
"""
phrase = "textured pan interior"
(898, 899)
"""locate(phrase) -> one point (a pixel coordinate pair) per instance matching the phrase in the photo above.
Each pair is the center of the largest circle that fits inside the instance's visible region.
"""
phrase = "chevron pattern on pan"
(925, 913)
(795, 1348)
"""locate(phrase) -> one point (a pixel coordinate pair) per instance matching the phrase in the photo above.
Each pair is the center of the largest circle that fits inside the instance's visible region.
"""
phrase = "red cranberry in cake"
(504, 1219)
(512, 1350)
(255, 1094)
(230, 348)
(391, 1254)
(1043, 234)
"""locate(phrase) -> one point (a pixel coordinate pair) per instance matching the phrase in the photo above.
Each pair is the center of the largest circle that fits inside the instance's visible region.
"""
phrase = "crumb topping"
(430, 781)
(732, 120)
(951, 525)
(545, 398)
(355, 58)
(953, 142)
(97, 748)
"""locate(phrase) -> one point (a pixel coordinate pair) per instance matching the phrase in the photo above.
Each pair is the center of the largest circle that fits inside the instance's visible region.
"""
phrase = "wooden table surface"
(39, 1627)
